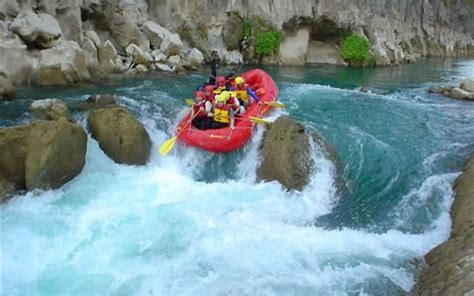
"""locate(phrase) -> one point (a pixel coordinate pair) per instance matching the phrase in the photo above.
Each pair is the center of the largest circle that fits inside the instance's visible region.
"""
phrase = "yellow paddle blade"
(189, 102)
(275, 104)
(259, 120)
(167, 146)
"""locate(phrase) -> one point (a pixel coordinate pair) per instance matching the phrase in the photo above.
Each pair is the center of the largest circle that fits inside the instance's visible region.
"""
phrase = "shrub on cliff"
(355, 49)
(267, 43)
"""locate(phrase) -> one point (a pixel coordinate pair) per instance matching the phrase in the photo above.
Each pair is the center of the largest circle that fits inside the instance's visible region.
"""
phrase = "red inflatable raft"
(224, 139)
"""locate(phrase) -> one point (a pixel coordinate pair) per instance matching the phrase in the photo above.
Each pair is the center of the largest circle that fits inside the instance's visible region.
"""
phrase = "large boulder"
(450, 267)
(285, 154)
(55, 153)
(37, 30)
(50, 109)
(13, 142)
(6, 88)
(45, 154)
(63, 64)
(120, 135)
(193, 58)
(294, 47)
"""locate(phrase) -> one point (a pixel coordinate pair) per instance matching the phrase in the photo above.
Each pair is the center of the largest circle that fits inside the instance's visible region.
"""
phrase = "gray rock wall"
(450, 269)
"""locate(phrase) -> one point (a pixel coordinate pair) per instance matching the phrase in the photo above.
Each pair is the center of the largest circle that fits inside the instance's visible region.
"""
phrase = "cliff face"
(450, 268)
(399, 31)
(312, 31)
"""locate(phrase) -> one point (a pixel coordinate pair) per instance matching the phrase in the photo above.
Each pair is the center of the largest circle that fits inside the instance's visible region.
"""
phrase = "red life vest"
(196, 107)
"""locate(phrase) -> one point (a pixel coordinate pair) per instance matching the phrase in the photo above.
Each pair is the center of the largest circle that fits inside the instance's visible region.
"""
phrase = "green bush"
(267, 43)
(355, 49)
(247, 31)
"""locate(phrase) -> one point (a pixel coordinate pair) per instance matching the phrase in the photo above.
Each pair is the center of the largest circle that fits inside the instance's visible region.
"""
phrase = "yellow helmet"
(239, 80)
(223, 97)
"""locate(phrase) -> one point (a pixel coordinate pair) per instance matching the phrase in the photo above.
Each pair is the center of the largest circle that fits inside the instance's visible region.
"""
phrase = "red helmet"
(220, 80)
(199, 94)
(208, 88)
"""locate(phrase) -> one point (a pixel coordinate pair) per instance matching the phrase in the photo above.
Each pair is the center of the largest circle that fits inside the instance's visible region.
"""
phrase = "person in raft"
(244, 92)
(223, 112)
(201, 111)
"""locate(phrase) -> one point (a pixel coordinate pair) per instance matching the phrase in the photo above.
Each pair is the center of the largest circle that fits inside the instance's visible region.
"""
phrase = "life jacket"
(241, 93)
(220, 89)
(196, 107)
(221, 113)
(232, 103)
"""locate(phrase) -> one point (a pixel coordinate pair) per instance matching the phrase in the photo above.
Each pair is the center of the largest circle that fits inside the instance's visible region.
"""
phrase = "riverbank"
(450, 269)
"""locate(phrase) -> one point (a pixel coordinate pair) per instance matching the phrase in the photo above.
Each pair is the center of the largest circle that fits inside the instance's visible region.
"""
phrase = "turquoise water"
(198, 224)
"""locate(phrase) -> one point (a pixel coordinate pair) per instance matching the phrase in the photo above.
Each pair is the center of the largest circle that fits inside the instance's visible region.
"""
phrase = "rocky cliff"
(450, 268)
(65, 41)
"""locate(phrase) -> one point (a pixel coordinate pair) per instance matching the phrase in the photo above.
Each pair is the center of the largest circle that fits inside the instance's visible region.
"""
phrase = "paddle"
(189, 102)
(169, 144)
(275, 104)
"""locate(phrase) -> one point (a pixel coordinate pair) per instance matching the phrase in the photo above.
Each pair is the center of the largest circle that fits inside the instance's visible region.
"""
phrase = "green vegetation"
(355, 49)
(267, 43)
(247, 31)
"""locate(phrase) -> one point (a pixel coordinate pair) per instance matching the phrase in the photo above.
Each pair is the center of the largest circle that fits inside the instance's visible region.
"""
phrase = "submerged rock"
(94, 102)
(285, 153)
(468, 85)
(45, 154)
(50, 109)
(460, 93)
(450, 269)
(120, 135)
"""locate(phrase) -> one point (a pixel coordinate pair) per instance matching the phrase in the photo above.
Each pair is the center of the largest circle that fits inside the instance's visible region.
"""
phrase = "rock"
(468, 85)
(155, 33)
(461, 94)
(285, 154)
(193, 58)
(55, 153)
(171, 44)
(174, 60)
(37, 30)
(107, 54)
(232, 31)
(8, 9)
(450, 266)
(320, 52)
(69, 19)
(16, 62)
(90, 52)
(294, 47)
(50, 109)
(138, 56)
(158, 56)
(94, 102)
(120, 135)
(63, 64)
(45, 154)
(92, 35)
(163, 67)
(6, 88)
(13, 142)
(444, 90)
(137, 70)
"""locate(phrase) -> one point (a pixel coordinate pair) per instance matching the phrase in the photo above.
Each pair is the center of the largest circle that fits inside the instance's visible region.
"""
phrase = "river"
(195, 223)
